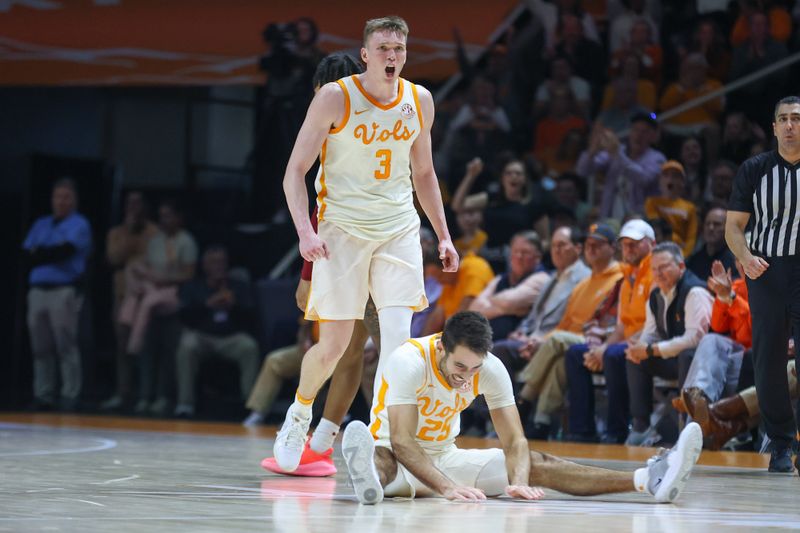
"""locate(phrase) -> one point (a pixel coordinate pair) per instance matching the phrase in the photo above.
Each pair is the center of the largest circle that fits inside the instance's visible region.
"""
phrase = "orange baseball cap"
(673, 165)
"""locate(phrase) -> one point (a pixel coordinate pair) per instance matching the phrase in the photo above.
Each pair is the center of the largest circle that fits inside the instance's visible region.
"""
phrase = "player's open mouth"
(390, 71)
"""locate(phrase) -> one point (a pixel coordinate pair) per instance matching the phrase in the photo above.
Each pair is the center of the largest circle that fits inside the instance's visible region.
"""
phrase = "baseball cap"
(637, 229)
(647, 117)
(602, 231)
(673, 165)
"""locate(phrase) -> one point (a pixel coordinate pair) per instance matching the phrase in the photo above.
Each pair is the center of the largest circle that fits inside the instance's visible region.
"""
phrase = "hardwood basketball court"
(92, 473)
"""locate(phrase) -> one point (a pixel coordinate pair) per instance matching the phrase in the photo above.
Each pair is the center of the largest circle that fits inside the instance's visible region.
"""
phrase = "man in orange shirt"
(544, 375)
(672, 207)
(700, 119)
(637, 239)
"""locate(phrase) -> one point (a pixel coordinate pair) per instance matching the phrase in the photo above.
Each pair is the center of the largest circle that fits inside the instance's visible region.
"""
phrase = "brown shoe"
(730, 408)
(716, 429)
(678, 404)
(696, 403)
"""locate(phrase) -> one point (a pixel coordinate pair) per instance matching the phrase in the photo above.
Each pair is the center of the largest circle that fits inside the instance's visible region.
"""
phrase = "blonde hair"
(392, 23)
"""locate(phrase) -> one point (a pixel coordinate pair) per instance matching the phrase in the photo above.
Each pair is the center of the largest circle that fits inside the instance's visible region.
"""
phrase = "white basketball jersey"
(412, 377)
(364, 180)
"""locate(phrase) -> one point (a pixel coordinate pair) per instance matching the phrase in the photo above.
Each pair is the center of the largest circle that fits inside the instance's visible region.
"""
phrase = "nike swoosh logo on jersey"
(362, 111)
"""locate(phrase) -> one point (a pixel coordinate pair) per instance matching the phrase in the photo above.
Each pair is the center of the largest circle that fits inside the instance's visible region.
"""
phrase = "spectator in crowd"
(586, 55)
(732, 415)
(620, 32)
(509, 296)
(680, 213)
(152, 292)
(57, 248)
(506, 211)
(469, 215)
(714, 372)
(637, 239)
(627, 66)
(126, 244)
(721, 182)
(708, 40)
(568, 194)
(701, 119)
(714, 248)
(472, 238)
(549, 12)
(152, 284)
(693, 161)
(739, 135)
(661, 228)
(562, 77)
(593, 302)
(623, 106)
(459, 290)
(479, 129)
(561, 216)
(777, 17)
(755, 53)
(677, 316)
(641, 44)
(218, 315)
(554, 127)
(566, 245)
(631, 171)
(564, 157)
(481, 106)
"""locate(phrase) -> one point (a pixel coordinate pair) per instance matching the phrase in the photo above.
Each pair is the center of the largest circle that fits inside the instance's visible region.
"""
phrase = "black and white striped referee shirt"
(766, 186)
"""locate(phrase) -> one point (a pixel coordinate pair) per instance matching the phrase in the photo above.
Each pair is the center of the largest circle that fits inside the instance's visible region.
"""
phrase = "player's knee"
(329, 356)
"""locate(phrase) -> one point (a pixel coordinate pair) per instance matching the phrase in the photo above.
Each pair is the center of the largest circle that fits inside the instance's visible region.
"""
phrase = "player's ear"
(364, 55)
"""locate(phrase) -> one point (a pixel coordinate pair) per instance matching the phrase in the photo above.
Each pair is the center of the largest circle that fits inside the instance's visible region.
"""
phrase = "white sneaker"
(668, 471)
(290, 441)
(358, 448)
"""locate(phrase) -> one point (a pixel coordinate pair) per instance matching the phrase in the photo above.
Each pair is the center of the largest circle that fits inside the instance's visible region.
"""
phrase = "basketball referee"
(767, 190)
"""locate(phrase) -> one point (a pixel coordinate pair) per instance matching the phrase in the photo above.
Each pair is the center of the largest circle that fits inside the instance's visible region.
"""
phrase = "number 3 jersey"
(364, 179)
(411, 377)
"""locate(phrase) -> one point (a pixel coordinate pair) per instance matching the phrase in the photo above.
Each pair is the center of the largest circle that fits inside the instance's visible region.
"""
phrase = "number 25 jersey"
(411, 377)
(364, 179)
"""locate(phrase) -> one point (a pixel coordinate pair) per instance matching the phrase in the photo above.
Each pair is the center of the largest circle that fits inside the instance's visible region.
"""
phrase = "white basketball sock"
(640, 479)
(324, 435)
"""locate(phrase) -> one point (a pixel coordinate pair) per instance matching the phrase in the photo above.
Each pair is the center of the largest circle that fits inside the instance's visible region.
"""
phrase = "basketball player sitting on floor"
(409, 448)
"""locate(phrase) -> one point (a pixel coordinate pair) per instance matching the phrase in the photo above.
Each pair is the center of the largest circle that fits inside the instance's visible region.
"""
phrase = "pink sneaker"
(312, 464)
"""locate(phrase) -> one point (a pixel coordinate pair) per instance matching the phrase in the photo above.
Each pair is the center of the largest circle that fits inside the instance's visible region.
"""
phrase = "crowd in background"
(590, 230)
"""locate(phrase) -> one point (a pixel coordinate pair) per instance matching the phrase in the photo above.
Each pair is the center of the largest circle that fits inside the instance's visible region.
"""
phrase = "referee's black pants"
(775, 308)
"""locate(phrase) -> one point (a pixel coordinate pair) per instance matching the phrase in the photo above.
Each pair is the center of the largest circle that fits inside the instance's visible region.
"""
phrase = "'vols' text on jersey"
(364, 179)
(411, 377)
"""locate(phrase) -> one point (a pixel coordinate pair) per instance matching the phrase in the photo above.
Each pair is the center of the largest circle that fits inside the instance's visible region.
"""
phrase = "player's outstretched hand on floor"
(523, 492)
(464, 494)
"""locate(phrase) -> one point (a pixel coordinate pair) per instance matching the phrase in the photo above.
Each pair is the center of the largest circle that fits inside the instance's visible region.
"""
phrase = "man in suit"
(566, 246)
